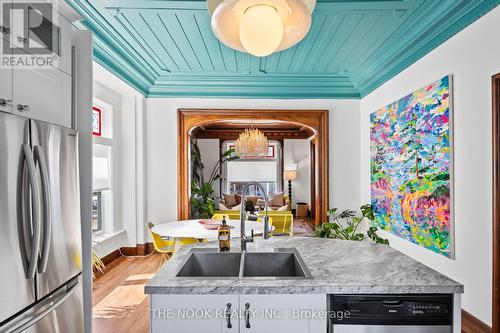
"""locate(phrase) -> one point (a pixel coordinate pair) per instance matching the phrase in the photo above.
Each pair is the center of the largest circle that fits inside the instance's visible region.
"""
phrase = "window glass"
(96, 121)
(102, 202)
(97, 211)
(263, 170)
(101, 167)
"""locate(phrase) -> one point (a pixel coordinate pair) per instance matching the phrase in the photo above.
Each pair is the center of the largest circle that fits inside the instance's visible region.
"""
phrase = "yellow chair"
(189, 241)
(283, 223)
(165, 247)
(232, 215)
(261, 219)
(219, 217)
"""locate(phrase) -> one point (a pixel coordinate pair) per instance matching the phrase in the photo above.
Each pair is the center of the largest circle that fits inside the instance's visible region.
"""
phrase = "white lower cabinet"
(303, 313)
(283, 313)
(194, 313)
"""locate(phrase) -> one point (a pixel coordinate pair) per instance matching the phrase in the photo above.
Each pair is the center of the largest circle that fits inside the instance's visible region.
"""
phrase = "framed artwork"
(96, 121)
(411, 167)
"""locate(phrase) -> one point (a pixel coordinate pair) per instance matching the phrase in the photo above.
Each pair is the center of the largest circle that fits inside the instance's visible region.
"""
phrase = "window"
(101, 167)
(97, 211)
(263, 170)
(96, 121)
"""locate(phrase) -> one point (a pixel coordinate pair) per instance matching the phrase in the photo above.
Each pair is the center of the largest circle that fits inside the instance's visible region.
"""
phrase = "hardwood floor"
(119, 302)
(302, 226)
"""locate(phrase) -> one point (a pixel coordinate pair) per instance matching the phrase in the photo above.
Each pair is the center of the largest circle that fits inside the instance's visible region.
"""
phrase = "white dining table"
(194, 229)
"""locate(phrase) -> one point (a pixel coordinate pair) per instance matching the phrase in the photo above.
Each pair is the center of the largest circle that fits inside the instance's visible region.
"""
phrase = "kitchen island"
(335, 267)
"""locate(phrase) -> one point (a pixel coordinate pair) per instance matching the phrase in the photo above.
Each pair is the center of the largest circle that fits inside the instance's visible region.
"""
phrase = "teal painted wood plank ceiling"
(166, 48)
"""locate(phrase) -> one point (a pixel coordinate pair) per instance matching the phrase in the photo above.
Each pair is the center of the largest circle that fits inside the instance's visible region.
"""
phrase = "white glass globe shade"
(261, 30)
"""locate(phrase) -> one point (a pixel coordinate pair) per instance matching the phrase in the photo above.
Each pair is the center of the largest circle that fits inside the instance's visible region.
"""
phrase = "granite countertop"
(337, 266)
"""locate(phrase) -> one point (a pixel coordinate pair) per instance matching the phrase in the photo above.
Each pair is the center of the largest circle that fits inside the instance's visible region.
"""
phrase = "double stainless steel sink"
(283, 263)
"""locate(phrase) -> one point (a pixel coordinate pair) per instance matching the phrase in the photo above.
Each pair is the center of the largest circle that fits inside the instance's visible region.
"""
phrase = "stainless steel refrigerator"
(40, 228)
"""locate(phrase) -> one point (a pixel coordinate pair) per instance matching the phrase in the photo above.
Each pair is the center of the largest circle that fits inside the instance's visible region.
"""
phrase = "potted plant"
(203, 200)
(345, 224)
(249, 206)
(97, 265)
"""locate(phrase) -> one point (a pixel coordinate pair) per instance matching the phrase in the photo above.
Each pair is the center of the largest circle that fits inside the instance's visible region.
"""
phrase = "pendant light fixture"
(260, 27)
(251, 143)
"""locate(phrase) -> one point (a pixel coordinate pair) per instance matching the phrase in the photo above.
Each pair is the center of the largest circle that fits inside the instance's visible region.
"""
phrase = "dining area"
(168, 237)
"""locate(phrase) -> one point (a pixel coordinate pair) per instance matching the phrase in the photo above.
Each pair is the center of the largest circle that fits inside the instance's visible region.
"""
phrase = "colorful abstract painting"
(411, 167)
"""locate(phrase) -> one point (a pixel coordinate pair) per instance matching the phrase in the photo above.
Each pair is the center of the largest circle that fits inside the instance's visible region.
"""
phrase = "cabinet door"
(194, 313)
(283, 313)
(4, 29)
(57, 29)
(43, 94)
(65, 36)
(5, 89)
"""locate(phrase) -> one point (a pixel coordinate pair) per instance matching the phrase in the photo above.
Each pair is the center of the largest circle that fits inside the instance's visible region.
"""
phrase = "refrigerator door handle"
(47, 208)
(35, 233)
(42, 309)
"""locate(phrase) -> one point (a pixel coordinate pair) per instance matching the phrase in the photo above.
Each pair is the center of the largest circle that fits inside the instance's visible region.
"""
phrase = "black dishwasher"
(391, 313)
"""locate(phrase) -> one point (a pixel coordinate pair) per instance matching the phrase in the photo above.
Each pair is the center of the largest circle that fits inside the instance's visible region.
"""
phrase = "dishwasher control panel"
(435, 309)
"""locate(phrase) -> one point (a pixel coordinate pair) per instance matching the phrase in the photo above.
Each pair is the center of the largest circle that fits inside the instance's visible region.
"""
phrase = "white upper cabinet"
(43, 94)
(65, 36)
(5, 89)
(53, 31)
(39, 91)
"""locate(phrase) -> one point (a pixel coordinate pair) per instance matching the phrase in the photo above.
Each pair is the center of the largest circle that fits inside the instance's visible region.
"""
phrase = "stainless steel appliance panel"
(56, 156)
(391, 313)
(57, 313)
(390, 329)
(16, 290)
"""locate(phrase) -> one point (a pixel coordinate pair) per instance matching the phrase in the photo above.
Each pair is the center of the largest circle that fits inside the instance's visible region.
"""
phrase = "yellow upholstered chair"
(282, 222)
(231, 214)
(165, 247)
(261, 219)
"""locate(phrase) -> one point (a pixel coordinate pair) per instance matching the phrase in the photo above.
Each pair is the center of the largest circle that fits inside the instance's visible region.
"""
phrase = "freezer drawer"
(60, 312)
(56, 154)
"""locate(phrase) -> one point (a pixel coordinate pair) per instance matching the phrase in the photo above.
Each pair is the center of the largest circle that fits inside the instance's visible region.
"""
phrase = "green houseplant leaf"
(203, 200)
(345, 224)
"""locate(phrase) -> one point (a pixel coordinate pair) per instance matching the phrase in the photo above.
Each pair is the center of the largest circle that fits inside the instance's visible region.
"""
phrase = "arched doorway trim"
(317, 120)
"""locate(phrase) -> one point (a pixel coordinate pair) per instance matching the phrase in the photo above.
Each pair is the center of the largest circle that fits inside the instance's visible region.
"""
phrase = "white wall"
(128, 220)
(472, 58)
(210, 152)
(298, 151)
(161, 157)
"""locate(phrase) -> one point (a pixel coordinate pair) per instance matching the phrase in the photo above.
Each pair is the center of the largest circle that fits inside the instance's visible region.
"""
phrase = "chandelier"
(261, 27)
(251, 143)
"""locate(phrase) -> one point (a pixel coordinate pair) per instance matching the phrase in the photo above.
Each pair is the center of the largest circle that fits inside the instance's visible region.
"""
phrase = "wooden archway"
(317, 120)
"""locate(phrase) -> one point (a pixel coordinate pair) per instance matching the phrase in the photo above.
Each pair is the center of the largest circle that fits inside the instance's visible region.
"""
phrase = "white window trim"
(107, 194)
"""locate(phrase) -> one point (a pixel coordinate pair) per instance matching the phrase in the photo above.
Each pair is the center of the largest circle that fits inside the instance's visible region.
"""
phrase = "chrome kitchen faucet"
(243, 216)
